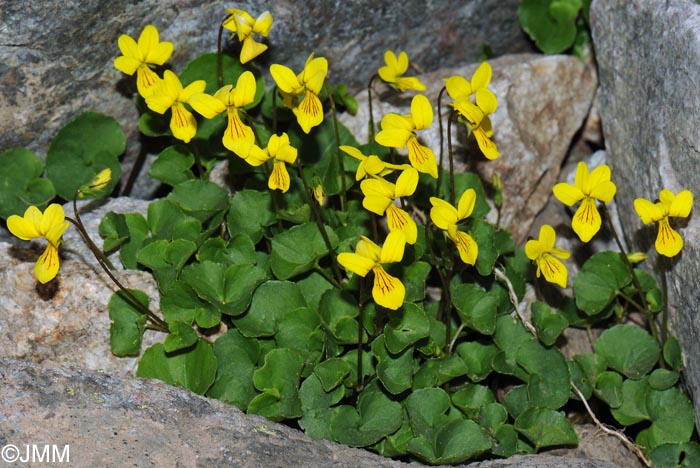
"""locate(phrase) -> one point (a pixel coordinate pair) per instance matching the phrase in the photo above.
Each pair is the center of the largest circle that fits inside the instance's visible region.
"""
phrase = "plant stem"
(635, 280)
(219, 63)
(360, 333)
(514, 300)
(106, 266)
(370, 129)
(444, 306)
(339, 154)
(319, 222)
(451, 157)
(442, 152)
(664, 307)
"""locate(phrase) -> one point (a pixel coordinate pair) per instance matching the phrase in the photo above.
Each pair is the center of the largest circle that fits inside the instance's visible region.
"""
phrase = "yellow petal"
(442, 213)
(129, 49)
(567, 194)
(251, 49)
(46, 267)
(309, 112)
(148, 39)
(399, 220)
(482, 76)
(355, 263)
(196, 87)
(147, 81)
(281, 149)
(182, 123)
(127, 65)
(263, 23)
(681, 204)
(599, 176)
(244, 93)
(286, 80)
(486, 101)
(368, 249)
(27, 227)
(649, 212)
(547, 237)
(422, 112)
(422, 157)
(466, 246)
(586, 221)
(471, 112)
(406, 183)
(160, 53)
(279, 178)
(376, 204)
(207, 106)
(315, 73)
(393, 248)
(581, 178)
(668, 242)
(458, 87)
(554, 270)
(465, 207)
(405, 83)
(53, 216)
(388, 291)
(486, 145)
(533, 249)
(378, 187)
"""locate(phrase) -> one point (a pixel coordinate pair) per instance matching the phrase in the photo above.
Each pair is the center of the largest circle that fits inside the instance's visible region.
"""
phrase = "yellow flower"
(446, 217)
(137, 57)
(100, 181)
(169, 94)
(308, 83)
(587, 188)
(380, 196)
(50, 225)
(281, 151)
(399, 131)
(394, 68)
(388, 291)
(238, 137)
(372, 164)
(543, 252)
(475, 102)
(668, 241)
(244, 25)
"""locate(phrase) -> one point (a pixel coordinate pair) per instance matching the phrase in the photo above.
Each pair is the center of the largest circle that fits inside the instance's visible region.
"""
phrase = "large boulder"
(648, 55)
(57, 57)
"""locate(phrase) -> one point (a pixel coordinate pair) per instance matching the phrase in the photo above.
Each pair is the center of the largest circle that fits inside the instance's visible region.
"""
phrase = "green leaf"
(167, 221)
(114, 230)
(457, 441)
(609, 388)
(472, 399)
(181, 336)
(297, 250)
(663, 379)
(485, 236)
(672, 418)
(549, 324)
(278, 380)
(200, 199)
(205, 68)
(629, 350)
(633, 408)
(194, 368)
(250, 212)
(600, 279)
(271, 302)
(406, 327)
(299, 329)
(166, 258)
(549, 383)
(506, 444)
(127, 231)
(128, 323)
(478, 358)
(436, 372)
(172, 166)
(395, 372)
(672, 353)
(315, 406)
(427, 408)
(21, 184)
(331, 373)
(550, 23)
(517, 401)
(82, 148)
(237, 357)
(545, 427)
(684, 455)
(180, 303)
(464, 181)
(238, 250)
(476, 308)
(228, 288)
(376, 417)
(312, 287)
(338, 310)
(414, 277)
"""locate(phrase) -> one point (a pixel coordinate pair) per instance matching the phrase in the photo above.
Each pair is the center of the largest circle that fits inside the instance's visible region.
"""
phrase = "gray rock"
(148, 423)
(57, 57)
(542, 103)
(649, 109)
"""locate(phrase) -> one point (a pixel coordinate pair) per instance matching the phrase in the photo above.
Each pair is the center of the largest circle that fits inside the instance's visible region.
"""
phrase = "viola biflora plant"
(353, 289)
